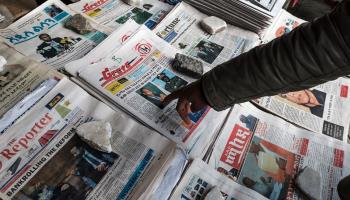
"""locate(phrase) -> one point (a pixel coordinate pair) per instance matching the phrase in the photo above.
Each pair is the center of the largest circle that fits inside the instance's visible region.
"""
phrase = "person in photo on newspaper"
(309, 55)
(51, 47)
(312, 99)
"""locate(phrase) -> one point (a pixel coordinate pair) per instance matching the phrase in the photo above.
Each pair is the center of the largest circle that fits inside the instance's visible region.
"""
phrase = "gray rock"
(97, 134)
(310, 183)
(188, 65)
(78, 24)
(213, 24)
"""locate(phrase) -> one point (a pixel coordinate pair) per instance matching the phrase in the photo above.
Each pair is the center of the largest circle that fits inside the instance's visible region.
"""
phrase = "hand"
(191, 99)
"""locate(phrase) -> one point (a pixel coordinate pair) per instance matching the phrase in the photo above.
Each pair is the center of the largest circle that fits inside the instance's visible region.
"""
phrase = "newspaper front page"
(114, 13)
(19, 78)
(282, 24)
(264, 153)
(117, 38)
(139, 80)
(42, 157)
(200, 178)
(41, 35)
(321, 109)
(181, 28)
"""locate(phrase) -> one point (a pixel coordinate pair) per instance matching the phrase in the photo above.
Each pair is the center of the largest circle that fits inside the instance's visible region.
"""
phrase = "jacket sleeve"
(313, 53)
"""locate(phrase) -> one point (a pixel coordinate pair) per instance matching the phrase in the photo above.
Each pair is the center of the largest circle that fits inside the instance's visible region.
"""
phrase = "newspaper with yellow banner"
(139, 80)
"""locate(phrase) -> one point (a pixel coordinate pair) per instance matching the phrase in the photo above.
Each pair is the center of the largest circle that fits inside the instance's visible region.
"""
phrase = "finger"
(172, 97)
(182, 109)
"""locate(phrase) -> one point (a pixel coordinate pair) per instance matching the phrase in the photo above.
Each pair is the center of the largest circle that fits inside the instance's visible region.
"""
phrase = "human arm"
(311, 54)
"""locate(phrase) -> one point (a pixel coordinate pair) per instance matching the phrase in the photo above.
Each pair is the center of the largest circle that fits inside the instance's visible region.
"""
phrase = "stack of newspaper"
(42, 157)
(253, 15)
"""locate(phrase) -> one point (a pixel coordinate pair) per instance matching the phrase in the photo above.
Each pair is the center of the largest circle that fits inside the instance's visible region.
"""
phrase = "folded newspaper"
(321, 109)
(42, 157)
(253, 15)
(117, 38)
(138, 82)
(181, 27)
(283, 23)
(200, 178)
(264, 153)
(114, 13)
(19, 78)
(41, 35)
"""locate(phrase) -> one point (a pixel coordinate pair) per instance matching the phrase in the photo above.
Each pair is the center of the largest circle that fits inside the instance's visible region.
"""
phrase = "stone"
(3, 62)
(78, 24)
(133, 2)
(97, 134)
(309, 182)
(188, 66)
(213, 24)
(214, 194)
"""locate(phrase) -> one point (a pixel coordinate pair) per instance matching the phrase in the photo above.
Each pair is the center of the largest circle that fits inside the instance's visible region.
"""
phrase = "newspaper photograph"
(140, 80)
(200, 178)
(47, 160)
(117, 38)
(265, 153)
(42, 35)
(321, 109)
(282, 24)
(114, 13)
(181, 28)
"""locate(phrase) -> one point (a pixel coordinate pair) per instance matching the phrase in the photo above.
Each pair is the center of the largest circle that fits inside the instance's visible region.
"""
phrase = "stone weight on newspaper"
(188, 65)
(97, 134)
(213, 24)
(78, 24)
(308, 181)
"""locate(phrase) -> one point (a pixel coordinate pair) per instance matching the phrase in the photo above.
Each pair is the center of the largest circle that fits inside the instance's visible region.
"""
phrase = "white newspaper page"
(19, 78)
(114, 13)
(43, 157)
(264, 153)
(117, 38)
(282, 24)
(41, 35)
(181, 28)
(140, 79)
(200, 178)
(322, 109)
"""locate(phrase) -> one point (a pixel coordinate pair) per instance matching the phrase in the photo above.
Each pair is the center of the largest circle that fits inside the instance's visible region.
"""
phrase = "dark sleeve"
(313, 53)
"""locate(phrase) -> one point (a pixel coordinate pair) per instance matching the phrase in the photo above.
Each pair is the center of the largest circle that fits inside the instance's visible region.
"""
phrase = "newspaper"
(41, 35)
(139, 80)
(117, 38)
(321, 109)
(114, 13)
(282, 24)
(12, 115)
(200, 178)
(264, 153)
(181, 28)
(20, 77)
(42, 157)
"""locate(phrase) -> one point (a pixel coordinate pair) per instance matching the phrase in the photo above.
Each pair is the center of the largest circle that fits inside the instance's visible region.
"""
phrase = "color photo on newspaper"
(43, 36)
